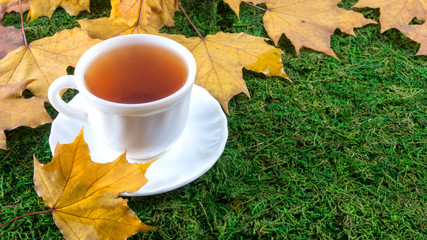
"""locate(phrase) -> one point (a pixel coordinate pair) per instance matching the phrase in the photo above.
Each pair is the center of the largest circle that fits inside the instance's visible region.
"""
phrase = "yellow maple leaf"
(74, 7)
(235, 4)
(104, 28)
(220, 59)
(47, 7)
(45, 59)
(310, 23)
(153, 13)
(164, 11)
(83, 195)
(396, 13)
(270, 64)
(42, 8)
(17, 111)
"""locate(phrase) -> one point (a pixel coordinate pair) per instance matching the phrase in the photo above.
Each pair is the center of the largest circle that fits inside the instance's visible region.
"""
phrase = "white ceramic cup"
(144, 130)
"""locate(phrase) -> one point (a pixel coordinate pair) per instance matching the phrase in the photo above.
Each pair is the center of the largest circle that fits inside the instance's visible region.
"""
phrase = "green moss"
(338, 154)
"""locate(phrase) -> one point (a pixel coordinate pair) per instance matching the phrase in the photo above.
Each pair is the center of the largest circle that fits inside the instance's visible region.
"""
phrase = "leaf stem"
(255, 6)
(189, 20)
(22, 26)
(25, 215)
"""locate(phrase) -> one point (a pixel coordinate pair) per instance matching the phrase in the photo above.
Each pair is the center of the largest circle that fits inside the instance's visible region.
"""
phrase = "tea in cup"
(136, 90)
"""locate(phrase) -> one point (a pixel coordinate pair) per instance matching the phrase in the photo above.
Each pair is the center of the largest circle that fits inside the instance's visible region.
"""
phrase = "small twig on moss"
(189, 20)
(255, 6)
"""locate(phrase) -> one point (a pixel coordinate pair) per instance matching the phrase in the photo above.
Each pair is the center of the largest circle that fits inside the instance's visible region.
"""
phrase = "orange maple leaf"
(83, 195)
(310, 23)
(17, 111)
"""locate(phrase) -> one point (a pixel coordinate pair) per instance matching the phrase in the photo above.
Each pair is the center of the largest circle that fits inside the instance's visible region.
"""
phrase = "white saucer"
(194, 153)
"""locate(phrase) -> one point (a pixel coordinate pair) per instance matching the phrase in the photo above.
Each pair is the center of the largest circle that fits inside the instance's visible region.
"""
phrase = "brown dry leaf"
(310, 23)
(220, 59)
(10, 39)
(153, 13)
(83, 195)
(7, 6)
(396, 13)
(104, 28)
(235, 4)
(16, 111)
(45, 59)
(47, 7)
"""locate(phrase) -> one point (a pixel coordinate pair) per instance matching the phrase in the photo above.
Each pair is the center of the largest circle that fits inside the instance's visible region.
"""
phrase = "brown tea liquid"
(137, 73)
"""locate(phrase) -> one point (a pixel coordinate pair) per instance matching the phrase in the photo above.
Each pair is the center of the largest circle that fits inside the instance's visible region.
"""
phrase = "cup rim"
(92, 53)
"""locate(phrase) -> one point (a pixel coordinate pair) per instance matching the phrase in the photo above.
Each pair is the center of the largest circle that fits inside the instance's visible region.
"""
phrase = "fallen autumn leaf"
(310, 23)
(16, 111)
(83, 195)
(153, 13)
(221, 57)
(104, 28)
(45, 59)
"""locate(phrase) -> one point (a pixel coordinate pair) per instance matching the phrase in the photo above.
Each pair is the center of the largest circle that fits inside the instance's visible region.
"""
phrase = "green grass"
(339, 154)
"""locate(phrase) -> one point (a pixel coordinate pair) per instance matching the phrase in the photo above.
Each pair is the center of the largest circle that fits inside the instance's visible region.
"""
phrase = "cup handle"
(57, 102)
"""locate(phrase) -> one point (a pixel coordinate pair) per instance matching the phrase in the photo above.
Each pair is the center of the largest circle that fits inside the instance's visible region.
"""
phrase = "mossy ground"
(340, 153)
